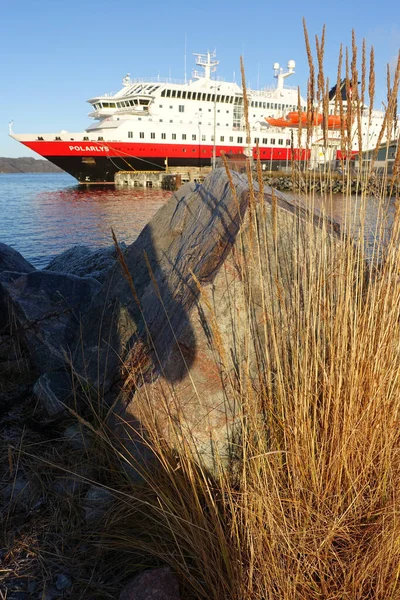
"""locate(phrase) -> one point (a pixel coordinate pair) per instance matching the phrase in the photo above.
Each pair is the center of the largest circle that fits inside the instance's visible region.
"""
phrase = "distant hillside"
(27, 165)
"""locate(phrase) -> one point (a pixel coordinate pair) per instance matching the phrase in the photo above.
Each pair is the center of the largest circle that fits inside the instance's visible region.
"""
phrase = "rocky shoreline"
(84, 343)
(335, 184)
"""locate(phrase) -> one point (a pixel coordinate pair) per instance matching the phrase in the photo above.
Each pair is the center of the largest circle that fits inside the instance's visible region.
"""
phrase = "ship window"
(181, 108)
(287, 142)
(130, 134)
(189, 95)
(231, 138)
(160, 106)
(178, 95)
(280, 142)
(100, 138)
(239, 140)
(208, 97)
(200, 109)
(272, 141)
(171, 106)
(173, 94)
(184, 136)
(209, 110)
(174, 136)
(203, 138)
(183, 149)
(141, 134)
(213, 98)
(160, 120)
(204, 97)
(267, 104)
(168, 93)
(163, 136)
(152, 136)
(251, 103)
(194, 137)
(222, 98)
(256, 140)
(231, 100)
(163, 93)
(112, 104)
(265, 141)
(222, 138)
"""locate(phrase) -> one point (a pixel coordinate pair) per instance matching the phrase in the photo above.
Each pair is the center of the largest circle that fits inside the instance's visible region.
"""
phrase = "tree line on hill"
(27, 165)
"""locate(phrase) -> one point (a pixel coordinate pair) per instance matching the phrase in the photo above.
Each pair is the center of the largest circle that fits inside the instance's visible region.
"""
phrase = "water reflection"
(44, 215)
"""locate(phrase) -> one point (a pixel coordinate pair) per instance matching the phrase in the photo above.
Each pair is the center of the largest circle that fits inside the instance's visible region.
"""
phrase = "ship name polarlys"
(89, 148)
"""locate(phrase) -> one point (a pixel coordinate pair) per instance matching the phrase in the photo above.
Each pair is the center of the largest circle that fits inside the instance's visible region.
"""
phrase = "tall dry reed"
(310, 507)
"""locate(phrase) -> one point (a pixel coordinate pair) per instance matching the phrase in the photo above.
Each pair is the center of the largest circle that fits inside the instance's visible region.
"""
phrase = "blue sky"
(55, 54)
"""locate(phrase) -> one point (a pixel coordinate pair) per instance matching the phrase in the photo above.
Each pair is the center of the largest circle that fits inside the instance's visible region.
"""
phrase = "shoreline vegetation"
(216, 416)
(27, 165)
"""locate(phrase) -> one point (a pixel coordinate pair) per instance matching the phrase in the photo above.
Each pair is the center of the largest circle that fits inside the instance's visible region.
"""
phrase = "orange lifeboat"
(294, 118)
(334, 122)
(278, 122)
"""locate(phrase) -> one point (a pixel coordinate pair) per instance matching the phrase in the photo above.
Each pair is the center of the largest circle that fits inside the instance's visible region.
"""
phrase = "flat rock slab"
(12, 260)
(85, 262)
(45, 310)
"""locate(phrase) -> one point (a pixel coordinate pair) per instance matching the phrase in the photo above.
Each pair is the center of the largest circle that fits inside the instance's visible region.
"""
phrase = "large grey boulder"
(11, 260)
(85, 262)
(45, 309)
(193, 231)
(172, 333)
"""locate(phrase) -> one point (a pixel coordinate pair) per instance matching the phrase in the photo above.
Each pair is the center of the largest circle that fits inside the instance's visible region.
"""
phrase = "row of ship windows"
(239, 139)
(122, 104)
(201, 96)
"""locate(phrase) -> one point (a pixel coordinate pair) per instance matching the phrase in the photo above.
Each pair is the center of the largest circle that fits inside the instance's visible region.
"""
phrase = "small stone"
(67, 486)
(63, 581)
(18, 596)
(19, 491)
(77, 437)
(155, 584)
(53, 390)
(96, 502)
(32, 586)
(51, 593)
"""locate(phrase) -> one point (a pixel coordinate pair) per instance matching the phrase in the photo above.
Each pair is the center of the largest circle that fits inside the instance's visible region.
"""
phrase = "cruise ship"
(159, 124)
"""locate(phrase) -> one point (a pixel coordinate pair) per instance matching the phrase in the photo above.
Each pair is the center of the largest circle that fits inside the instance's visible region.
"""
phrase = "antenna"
(185, 57)
(10, 130)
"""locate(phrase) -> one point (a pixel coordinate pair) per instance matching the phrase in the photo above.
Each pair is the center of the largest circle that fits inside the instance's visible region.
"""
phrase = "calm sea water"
(43, 214)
